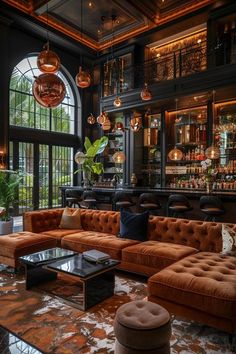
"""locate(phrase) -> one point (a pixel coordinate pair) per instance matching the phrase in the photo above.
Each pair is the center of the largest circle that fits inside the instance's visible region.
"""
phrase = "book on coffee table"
(95, 256)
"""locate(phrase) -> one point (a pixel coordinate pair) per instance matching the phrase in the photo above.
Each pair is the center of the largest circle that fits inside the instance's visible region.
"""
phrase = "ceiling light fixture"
(145, 93)
(117, 102)
(48, 89)
(83, 78)
(91, 119)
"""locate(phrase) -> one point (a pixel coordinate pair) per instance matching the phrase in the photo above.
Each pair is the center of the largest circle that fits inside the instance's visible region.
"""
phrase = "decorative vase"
(6, 227)
(209, 187)
(87, 184)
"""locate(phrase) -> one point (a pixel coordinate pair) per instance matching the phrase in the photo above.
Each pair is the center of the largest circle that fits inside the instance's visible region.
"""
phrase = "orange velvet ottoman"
(18, 244)
(200, 287)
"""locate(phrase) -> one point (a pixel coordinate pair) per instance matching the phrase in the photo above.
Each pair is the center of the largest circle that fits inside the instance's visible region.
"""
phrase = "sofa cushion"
(105, 242)
(106, 221)
(204, 281)
(70, 219)
(156, 254)
(59, 233)
(134, 226)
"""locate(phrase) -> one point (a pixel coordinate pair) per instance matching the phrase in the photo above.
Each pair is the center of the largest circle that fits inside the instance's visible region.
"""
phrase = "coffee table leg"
(98, 288)
(37, 275)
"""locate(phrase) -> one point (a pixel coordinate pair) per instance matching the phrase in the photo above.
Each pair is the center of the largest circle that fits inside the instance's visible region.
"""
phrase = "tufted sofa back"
(203, 235)
(101, 221)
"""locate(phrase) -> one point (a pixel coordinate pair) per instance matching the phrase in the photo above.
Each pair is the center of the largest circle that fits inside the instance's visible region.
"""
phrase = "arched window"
(42, 140)
(26, 112)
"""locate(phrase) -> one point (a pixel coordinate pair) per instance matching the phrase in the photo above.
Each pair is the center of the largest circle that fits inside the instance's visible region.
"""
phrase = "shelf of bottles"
(117, 75)
(151, 169)
(187, 133)
(115, 144)
(225, 138)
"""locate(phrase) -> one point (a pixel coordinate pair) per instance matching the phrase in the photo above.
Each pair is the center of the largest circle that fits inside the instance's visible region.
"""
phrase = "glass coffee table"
(94, 282)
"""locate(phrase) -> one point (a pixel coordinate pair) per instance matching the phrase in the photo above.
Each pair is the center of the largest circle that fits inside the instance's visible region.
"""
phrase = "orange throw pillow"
(70, 219)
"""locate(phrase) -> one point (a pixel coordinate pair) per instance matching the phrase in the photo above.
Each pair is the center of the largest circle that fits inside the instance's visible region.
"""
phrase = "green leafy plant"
(9, 182)
(87, 160)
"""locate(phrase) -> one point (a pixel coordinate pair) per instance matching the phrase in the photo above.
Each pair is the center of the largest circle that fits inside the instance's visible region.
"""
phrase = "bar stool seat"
(73, 197)
(212, 207)
(89, 200)
(122, 200)
(149, 202)
(178, 205)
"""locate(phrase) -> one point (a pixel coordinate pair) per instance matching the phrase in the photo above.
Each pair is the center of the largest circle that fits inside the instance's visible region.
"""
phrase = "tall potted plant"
(9, 182)
(87, 160)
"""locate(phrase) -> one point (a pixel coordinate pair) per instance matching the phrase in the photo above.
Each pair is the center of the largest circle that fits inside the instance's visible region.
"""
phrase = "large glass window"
(26, 112)
(46, 164)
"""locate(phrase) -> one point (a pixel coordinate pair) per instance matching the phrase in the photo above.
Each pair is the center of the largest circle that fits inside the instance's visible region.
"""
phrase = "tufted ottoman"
(18, 244)
(142, 327)
(200, 287)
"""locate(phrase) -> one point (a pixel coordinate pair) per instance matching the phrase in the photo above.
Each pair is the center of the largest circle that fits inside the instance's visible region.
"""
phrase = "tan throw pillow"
(228, 241)
(70, 219)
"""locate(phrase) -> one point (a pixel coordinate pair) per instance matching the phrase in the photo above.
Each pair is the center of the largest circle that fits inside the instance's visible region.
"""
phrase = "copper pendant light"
(49, 90)
(106, 125)
(145, 93)
(212, 152)
(175, 154)
(48, 61)
(136, 124)
(117, 102)
(83, 79)
(119, 157)
(102, 118)
(91, 119)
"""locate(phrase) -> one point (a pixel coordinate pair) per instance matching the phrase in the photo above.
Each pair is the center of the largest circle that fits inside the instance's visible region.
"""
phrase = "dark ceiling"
(103, 22)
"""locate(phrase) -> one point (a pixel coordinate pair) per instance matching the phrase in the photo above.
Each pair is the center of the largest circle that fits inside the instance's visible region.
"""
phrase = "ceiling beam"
(42, 6)
(150, 9)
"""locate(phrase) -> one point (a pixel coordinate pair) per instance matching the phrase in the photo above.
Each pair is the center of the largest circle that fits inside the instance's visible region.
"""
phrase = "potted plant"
(9, 182)
(87, 160)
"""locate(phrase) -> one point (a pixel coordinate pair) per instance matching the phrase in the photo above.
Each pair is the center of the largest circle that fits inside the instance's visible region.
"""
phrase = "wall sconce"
(2, 160)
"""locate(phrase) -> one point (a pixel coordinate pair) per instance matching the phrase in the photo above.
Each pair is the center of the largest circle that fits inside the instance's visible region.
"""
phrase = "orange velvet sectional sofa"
(187, 273)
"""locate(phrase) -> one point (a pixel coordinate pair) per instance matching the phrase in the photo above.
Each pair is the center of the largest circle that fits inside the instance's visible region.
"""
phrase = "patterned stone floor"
(56, 328)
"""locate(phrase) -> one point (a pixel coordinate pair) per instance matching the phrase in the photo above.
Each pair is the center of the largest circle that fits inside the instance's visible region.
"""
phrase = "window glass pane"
(26, 165)
(43, 176)
(26, 112)
(62, 171)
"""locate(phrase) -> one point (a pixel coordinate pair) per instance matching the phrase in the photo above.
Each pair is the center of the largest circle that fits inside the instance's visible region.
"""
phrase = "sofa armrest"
(42, 220)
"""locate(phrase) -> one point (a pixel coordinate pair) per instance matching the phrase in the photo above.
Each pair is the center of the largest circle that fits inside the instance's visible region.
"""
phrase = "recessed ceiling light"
(90, 4)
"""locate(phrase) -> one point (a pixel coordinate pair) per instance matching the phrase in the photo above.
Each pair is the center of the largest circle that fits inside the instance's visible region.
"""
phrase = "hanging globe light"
(80, 157)
(48, 61)
(117, 102)
(136, 124)
(145, 93)
(212, 152)
(102, 118)
(91, 119)
(83, 79)
(119, 126)
(49, 90)
(175, 154)
(106, 125)
(119, 157)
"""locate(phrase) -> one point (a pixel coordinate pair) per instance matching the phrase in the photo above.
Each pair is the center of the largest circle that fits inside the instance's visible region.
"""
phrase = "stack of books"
(96, 256)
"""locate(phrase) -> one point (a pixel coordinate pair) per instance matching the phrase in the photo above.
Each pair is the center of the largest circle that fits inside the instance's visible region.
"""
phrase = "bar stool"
(212, 207)
(89, 200)
(150, 202)
(122, 200)
(73, 197)
(178, 205)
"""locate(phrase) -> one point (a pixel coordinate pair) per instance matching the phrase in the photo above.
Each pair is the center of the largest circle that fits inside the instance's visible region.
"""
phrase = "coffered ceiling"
(104, 22)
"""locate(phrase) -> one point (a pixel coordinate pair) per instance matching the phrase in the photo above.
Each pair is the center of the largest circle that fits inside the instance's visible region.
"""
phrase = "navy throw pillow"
(134, 226)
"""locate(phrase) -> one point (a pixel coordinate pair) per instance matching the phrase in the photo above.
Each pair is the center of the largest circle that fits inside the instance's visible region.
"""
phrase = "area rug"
(57, 328)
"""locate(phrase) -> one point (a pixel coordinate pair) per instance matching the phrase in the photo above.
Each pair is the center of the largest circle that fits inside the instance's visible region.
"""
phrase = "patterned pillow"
(228, 241)
(70, 219)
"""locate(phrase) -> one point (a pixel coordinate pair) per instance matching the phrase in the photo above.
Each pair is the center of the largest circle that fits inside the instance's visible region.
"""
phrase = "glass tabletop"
(79, 266)
(47, 256)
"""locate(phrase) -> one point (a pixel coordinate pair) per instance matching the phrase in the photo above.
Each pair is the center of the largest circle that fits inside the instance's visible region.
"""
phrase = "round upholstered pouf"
(142, 327)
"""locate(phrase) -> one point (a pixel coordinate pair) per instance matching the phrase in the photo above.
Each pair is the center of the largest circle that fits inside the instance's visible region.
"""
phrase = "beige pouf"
(142, 327)
(19, 244)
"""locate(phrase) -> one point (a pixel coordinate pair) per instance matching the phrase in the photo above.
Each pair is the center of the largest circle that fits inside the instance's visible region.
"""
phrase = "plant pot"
(6, 227)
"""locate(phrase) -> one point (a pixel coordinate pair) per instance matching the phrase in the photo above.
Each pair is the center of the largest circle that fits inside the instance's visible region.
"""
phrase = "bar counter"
(105, 196)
